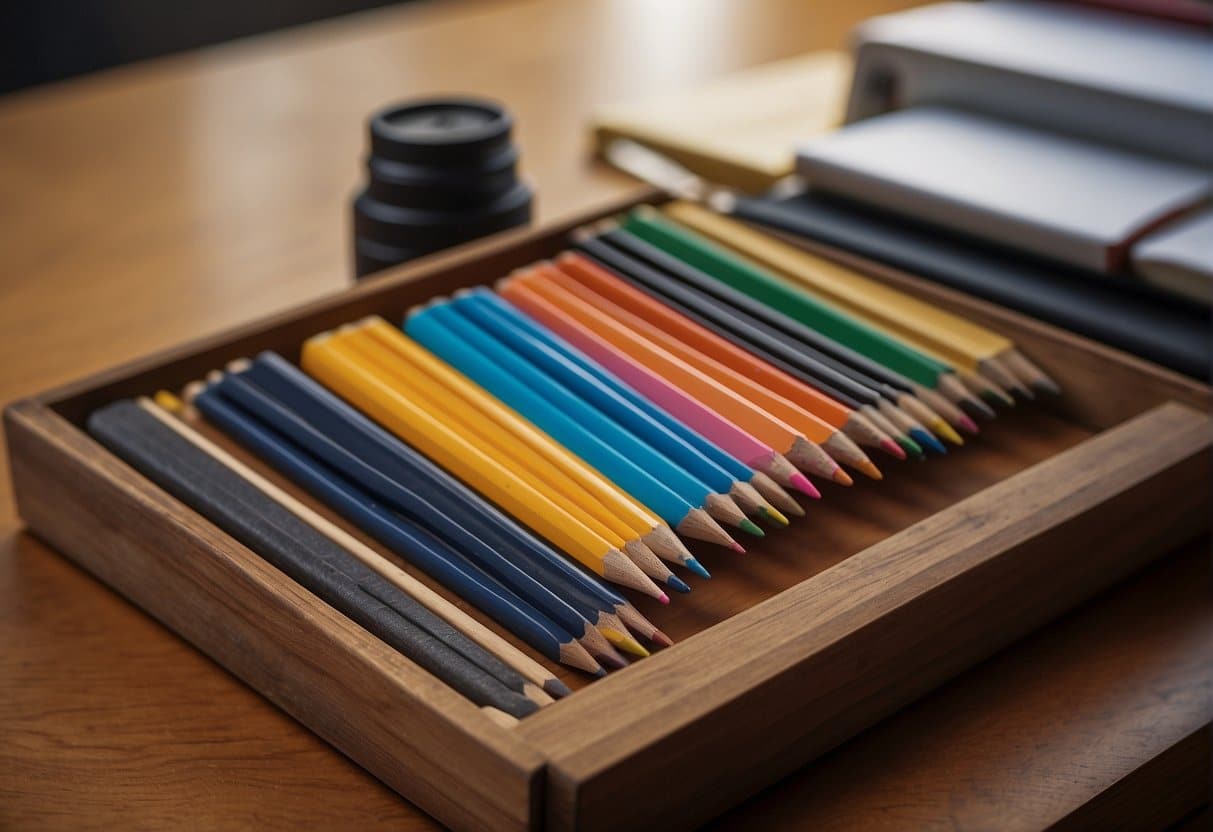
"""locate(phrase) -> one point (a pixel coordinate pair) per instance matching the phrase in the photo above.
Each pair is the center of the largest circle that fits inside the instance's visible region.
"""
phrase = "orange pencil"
(735, 368)
(544, 280)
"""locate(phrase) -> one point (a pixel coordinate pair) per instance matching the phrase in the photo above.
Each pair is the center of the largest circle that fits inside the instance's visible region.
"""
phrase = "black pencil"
(226, 499)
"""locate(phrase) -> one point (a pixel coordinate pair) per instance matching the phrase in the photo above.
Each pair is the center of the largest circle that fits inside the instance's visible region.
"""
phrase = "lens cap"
(441, 171)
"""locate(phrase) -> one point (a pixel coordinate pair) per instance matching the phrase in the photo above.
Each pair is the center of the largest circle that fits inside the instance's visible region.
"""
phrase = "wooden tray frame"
(709, 721)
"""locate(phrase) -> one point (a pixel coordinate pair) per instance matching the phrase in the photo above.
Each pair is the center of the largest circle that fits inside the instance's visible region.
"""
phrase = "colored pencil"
(636, 468)
(662, 392)
(344, 374)
(291, 545)
(851, 379)
(434, 386)
(683, 464)
(374, 445)
(512, 316)
(535, 451)
(716, 469)
(925, 326)
(444, 564)
(806, 454)
(899, 389)
(668, 328)
(184, 420)
(911, 362)
(274, 418)
(725, 316)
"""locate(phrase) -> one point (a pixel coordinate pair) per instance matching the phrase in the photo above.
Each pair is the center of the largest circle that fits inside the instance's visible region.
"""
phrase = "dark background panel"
(45, 40)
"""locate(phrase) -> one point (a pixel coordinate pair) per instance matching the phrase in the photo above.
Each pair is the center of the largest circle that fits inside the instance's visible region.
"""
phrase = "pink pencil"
(697, 416)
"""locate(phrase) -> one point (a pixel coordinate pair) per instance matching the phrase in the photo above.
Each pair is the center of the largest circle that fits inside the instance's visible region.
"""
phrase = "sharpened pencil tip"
(634, 647)
(842, 477)
(677, 583)
(945, 430)
(801, 483)
(892, 449)
(599, 673)
(661, 639)
(556, 689)
(774, 515)
(910, 447)
(663, 598)
(750, 527)
(613, 660)
(968, 425)
(737, 547)
(927, 440)
(870, 470)
(992, 398)
(696, 567)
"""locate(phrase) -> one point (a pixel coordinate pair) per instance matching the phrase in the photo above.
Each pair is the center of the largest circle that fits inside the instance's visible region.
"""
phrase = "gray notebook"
(1179, 258)
(1062, 198)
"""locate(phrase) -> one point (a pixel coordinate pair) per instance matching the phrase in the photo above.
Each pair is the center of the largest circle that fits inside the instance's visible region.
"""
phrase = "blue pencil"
(402, 499)
(621, 408)
(421, 548)
(320, 407)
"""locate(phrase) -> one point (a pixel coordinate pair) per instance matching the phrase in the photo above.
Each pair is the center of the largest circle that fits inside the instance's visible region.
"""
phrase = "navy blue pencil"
(604, 607)
(402, 499)
(429, 553)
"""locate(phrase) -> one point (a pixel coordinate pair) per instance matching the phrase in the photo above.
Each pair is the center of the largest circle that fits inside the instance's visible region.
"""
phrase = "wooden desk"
(152, 204)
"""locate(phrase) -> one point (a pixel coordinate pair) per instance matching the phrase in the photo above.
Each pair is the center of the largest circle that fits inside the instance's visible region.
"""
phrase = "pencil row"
(676, 377)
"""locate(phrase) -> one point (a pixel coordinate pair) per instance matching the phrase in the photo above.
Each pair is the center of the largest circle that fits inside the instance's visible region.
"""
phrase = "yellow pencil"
(339, 370)
(491, 437)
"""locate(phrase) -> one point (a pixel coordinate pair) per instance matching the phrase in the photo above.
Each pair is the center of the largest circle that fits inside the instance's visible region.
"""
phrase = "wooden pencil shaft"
(962, 340)
(400, 461)
(187, 425)
(508, 314)
(572, 269)
(445, 565)
(756, 309)
(248, 515)
(666, 490)
(820, 371)
(496, 430)
(402, 499)
(591, 390)
(341, 372)
(724, 263)
(502, 425)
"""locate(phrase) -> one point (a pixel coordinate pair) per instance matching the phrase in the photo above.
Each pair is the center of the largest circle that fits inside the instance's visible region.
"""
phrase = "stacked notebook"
(1053, 158)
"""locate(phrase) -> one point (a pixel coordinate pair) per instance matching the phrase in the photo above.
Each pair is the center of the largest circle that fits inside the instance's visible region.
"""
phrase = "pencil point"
(871, 471)
(737, 547)
(599, 673)
(978, 409)
(842, 477)
(696, 567)
(926, 440)
(614, 661)
(993, 398)
(556, 689)
(968, 425)
(634, 647)
(892, 449)
(677, 583)
(774, 515)
(661, 638)
(801, 483)
(663, 598)
(909, 446)
(945, 430)
(750, 527)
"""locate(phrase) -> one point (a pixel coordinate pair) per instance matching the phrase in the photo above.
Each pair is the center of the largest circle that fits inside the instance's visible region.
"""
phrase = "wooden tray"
(884, 591)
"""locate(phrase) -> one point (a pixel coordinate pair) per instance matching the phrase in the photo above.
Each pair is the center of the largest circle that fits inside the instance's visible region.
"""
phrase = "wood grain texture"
(828, 657)
(160, 202)
(995, 749)
(400, 723)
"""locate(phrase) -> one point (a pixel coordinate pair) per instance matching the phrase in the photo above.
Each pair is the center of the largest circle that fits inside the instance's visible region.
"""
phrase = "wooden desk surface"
(155, 203)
